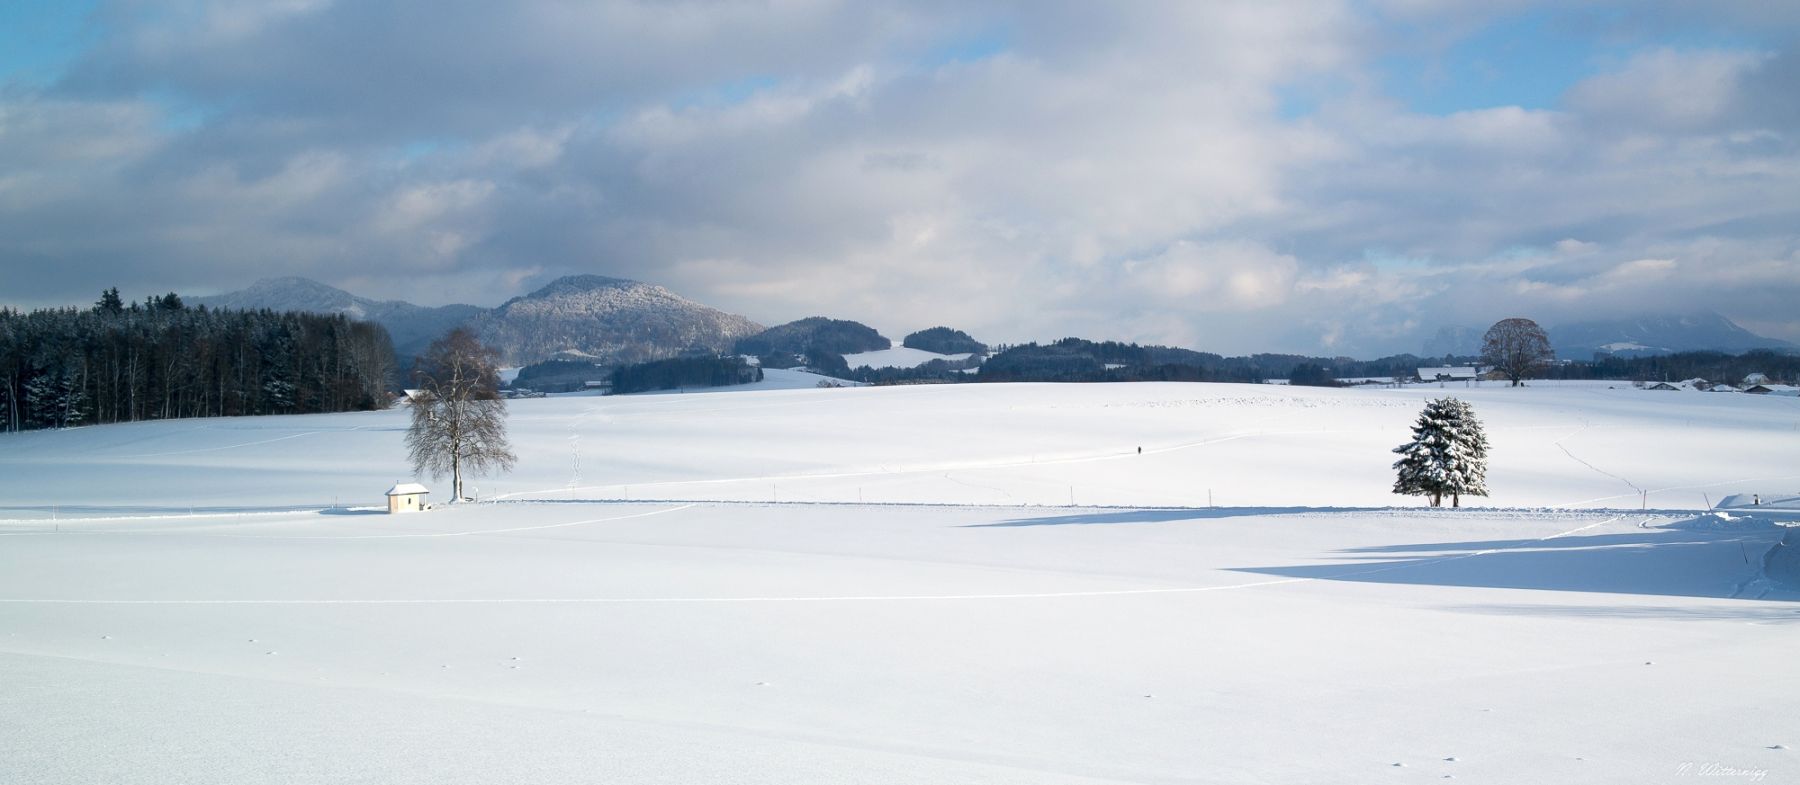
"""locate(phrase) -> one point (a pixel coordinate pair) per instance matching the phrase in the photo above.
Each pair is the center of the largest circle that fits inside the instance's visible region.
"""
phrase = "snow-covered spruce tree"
(1447, 454)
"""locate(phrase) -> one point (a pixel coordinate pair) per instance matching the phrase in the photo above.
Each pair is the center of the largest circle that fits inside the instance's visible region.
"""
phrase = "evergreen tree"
(64, 367)
(110, 303)
(1447, 454)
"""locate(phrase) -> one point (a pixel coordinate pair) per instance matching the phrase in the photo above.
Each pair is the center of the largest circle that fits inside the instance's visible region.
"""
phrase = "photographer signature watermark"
(1710, 769)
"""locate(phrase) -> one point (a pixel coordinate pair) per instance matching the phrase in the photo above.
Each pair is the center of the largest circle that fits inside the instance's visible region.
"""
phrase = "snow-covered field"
(891, 585)
(899, 357)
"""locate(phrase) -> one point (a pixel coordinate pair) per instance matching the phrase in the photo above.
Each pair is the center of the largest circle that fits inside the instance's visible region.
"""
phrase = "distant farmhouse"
(1755, 384)
(1784, 390)
(1453, 373)
(1686, 385)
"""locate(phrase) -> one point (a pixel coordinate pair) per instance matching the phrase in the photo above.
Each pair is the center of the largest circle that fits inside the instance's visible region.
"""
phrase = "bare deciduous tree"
(458, 417)
(1517, 348)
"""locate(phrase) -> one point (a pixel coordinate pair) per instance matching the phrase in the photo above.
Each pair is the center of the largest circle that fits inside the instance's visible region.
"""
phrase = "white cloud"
(1220, 276)
(1668, 89)
(1114, 171)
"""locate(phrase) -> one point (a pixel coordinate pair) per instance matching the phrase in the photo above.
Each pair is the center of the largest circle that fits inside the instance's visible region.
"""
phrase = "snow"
(899, 357)
(685, 588)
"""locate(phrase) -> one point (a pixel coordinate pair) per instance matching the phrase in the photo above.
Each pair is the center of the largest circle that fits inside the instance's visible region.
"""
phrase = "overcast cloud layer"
(1323, 177)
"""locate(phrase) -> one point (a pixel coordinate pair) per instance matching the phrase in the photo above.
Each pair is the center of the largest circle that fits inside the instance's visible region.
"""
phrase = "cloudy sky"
(1324, 177)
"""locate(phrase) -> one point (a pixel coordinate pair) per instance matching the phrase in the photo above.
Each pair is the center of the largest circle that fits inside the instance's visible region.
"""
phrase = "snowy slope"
(1250, 445)
(898, 357)
(1306, 630)
(612, 319)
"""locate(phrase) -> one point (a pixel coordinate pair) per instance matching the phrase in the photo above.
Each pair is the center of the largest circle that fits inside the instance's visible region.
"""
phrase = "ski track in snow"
(1572, 456)
(796, 599)
(236, 446)
(410, 535)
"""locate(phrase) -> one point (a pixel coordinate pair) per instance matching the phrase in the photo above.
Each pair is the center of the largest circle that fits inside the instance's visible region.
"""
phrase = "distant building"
(1687, 385)
(1451, 373)
(406, 497)
(1784, 390)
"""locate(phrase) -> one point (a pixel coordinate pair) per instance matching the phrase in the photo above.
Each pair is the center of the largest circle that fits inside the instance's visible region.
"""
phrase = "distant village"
(1754, 384)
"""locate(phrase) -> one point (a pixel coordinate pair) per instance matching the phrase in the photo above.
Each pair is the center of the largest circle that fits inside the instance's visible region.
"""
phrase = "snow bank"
(1781, 565)
(899, 357)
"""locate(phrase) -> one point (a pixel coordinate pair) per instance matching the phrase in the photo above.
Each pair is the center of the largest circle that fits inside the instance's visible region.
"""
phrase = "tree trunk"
(456, 478)
(1455, 500)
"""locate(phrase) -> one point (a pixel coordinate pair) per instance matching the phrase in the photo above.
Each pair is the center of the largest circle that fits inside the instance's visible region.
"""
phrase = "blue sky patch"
(39, 38)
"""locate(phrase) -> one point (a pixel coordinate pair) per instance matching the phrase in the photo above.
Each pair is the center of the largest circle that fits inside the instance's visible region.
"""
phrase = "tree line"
(1079, 360)
(684, 372)
(1711, 366)
(161, 360)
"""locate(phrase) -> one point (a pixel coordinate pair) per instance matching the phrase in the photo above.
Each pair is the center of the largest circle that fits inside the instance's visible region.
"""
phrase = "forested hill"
(1079, 360)
(161, 360)
(611, 319)
(814, 334)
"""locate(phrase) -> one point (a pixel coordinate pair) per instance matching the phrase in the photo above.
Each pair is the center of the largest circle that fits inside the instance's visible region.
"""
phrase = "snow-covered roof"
(404, 488)
(1450, 372)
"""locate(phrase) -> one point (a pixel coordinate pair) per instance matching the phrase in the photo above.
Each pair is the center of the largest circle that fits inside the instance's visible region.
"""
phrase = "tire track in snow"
(807, 599)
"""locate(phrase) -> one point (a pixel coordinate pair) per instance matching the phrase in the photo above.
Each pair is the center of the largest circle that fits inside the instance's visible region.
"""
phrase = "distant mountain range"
(613, 320)
(610, 320)
(1658, 335)
(1638, 337)
(411, 327)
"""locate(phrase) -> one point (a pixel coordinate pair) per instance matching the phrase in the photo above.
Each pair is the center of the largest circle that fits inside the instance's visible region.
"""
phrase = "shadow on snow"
(1161, 516)
(1669, 561)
